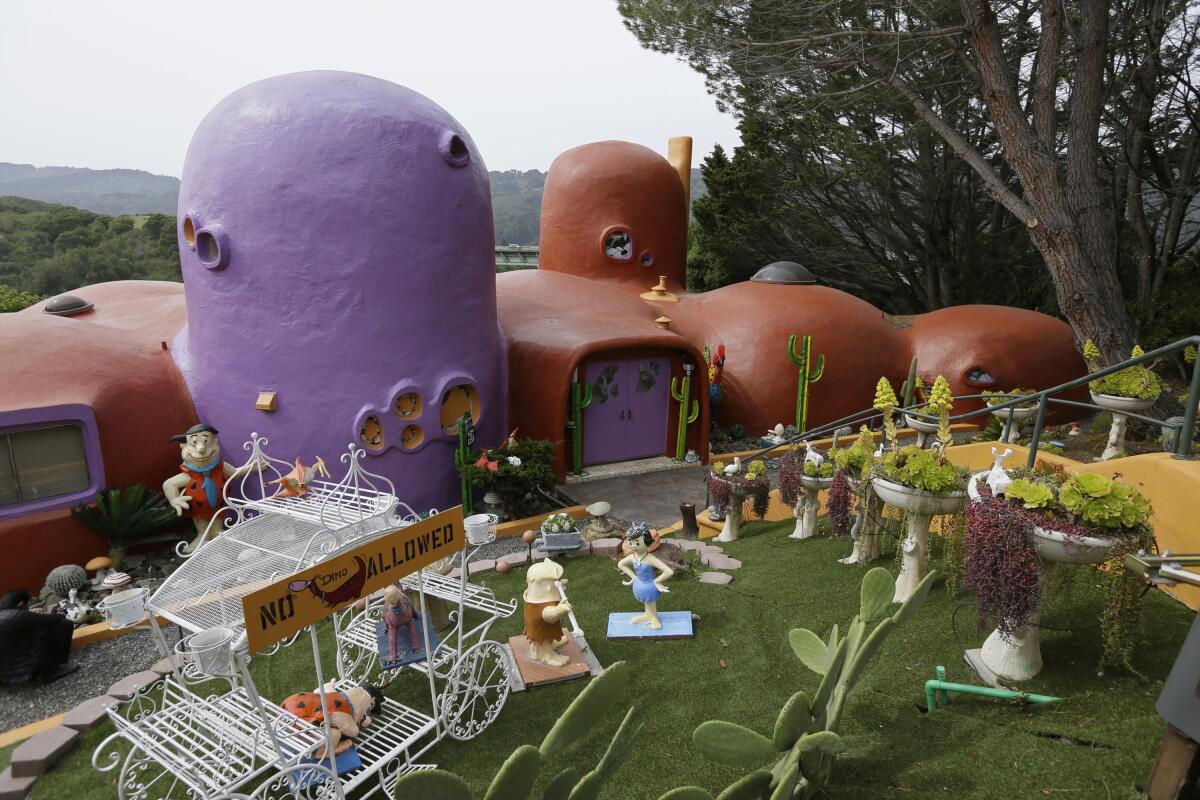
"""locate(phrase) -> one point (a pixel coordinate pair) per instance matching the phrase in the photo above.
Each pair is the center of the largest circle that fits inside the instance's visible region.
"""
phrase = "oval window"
(456, 401)
(371, 433)
(618, 245)
(189, 232)
(408, 405)
(411, 437)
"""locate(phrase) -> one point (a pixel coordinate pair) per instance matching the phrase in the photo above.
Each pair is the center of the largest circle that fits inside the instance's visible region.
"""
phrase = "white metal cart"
(204, 731)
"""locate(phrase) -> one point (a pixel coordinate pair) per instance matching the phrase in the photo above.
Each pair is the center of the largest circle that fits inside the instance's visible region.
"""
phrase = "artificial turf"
(1098, 742)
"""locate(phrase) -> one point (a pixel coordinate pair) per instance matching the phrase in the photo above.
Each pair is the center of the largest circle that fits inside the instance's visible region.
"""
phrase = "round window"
(408, 405)
(456, 401)
(371, 433)
(411, 437)
(618, 245)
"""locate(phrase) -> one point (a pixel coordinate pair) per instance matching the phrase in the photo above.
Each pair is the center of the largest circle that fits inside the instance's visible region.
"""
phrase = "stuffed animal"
(398, 613)
(348, 712)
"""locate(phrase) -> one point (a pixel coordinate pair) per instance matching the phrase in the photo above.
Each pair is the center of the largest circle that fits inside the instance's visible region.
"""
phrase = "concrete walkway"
(653, 497)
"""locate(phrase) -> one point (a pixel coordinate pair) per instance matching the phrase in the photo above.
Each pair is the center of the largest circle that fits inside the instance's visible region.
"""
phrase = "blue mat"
(675, 625)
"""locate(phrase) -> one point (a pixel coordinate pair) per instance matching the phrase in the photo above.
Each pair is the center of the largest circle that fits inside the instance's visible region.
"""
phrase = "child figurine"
(646, 587)
(398, 613)
(544, 608)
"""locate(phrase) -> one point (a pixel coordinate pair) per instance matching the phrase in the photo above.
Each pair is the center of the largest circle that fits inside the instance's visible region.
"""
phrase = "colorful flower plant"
(837, 505)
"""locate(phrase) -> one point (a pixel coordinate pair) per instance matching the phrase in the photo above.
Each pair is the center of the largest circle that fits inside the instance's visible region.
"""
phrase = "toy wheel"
(475, 690)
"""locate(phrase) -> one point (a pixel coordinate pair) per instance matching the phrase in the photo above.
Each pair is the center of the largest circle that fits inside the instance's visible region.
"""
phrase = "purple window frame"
(70, 414)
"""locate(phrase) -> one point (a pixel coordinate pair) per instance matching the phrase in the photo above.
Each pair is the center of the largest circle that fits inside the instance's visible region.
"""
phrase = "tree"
(12, 300)
(1057, 88)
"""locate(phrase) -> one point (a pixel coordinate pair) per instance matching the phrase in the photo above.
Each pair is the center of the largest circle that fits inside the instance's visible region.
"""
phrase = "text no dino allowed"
(292, 603)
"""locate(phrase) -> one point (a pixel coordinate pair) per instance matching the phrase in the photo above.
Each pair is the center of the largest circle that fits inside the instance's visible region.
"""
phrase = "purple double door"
(627, 417)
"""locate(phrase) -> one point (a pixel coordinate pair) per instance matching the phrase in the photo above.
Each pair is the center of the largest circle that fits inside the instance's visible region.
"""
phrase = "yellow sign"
(295, 602)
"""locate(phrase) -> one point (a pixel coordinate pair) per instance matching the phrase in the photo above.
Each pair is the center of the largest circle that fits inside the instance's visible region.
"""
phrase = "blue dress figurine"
(640, 566)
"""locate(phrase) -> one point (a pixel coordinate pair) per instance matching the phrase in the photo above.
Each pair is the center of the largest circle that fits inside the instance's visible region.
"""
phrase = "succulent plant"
(805, 740)
(885, 401)
(1136, 382)
(1091, 354)
(922, 469)
(826, 469)
(1103, 502)
(857, 458)
(517, 776)
(941, 399)
(1030, 494)
(63, 579)
(558, 523)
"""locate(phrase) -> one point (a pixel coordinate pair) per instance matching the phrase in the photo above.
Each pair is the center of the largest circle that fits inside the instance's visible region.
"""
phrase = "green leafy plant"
(885, 401)
(1030, 494)
(558, 523)
(516, 777)
(1102, 502)
(941, 400)
(1135, 382)
(826, 470)
(922, 469)
(805, 739)
(126, 516)
(996, 398)
(858, 458)
(531, 469)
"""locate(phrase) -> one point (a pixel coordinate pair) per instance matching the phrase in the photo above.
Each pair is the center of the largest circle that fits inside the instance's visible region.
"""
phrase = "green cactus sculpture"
(581, 398)
(911, 384)
(516, 777)
(805, 740)
(807, 375)
(462, 455)
(681, 395)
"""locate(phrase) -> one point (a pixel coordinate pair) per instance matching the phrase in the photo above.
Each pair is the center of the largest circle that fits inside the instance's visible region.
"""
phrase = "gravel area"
(100, 666)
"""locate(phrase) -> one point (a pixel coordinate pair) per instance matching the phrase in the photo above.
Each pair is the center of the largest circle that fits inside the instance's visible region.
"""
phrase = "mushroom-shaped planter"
(865, 530)
(808, 505)
(1017, 656)
(101, 565)
(923, 427)
(920, 507)
(1012, 417)
(1119, 406)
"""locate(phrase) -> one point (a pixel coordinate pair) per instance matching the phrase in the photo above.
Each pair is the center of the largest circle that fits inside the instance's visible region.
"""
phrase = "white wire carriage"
(203, 730)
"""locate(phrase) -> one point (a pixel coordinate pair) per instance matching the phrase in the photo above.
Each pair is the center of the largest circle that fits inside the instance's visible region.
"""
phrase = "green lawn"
(1099, 743)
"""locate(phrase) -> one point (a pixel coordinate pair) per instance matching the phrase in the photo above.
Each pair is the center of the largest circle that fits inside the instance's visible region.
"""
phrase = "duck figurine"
(734, 468)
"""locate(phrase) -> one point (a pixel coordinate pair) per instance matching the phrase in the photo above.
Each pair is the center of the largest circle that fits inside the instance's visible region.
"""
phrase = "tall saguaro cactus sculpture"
(807, 375)
(581, 398)
(911, 384)
(462, 455)
(686, 418)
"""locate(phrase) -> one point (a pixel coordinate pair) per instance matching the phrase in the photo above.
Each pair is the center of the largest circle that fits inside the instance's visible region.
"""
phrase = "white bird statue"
(811, 455)
(735, 467)
(997, 479)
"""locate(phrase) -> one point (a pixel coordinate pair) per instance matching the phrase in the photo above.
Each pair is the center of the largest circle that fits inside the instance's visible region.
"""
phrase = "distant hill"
(516, 195)
(106, 191)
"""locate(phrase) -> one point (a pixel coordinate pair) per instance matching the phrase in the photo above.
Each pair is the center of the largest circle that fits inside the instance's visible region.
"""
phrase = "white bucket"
(124, 608)
(211, 651)
(481, 528)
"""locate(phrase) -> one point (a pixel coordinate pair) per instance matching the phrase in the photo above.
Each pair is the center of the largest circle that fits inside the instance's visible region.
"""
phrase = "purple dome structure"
(335, 232)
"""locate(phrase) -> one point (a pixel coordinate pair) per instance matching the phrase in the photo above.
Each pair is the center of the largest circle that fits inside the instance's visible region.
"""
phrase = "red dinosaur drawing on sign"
(349, 590)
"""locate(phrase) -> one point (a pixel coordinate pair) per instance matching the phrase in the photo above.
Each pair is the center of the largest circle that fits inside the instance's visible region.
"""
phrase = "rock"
(599, 508)
(715, 578)
(89, 713)
(37, 754)
(480, 565)
(14, 788)
(133, 562)
(688, 544)
(717, 561)
(50, 601)
(163, 665)
(606, 547)
(129, 686)
(672, 555)
(514, 559)
(712, 548)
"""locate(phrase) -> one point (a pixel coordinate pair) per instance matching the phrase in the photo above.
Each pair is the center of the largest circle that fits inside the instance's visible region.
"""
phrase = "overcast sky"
(123, 84)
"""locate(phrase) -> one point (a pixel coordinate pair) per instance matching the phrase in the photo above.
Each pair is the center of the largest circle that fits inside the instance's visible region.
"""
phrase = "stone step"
(37, 754)
(14, 788)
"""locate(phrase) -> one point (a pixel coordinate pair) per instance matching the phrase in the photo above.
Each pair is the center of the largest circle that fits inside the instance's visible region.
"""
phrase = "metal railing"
(1044, 397)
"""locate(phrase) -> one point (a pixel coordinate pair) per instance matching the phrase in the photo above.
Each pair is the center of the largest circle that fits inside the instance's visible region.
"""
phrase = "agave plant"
(126, 516)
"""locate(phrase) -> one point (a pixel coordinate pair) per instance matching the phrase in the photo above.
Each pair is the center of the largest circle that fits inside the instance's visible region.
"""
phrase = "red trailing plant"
(838, 504)
(1001, 562)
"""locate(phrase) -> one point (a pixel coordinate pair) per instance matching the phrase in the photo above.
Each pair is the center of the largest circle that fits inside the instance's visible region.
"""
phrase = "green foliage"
(922, 469)
(1103, 502)
(826, 470)
(517, 776)
(512, 481)
(995, 398)
(806, 740)
(125, 516)
(856, 458)
(558, 523)
(1030, 494)
(13, 300)
(1136, 382)
(49, 249)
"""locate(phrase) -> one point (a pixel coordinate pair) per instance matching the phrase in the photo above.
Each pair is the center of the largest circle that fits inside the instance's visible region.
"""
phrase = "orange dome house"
(614, 224)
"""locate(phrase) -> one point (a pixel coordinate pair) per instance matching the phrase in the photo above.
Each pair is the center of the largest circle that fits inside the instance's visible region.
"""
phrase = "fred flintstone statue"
(198, 489)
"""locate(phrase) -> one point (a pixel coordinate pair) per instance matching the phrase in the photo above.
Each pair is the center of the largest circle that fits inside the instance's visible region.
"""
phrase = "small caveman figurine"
(198, 490)
(544, 608)
(398, 613)
(348, 712)
(646, 587)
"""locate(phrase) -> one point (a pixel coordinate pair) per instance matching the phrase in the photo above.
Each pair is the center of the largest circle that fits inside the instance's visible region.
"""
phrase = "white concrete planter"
(865, 531)
(733, 517)
(1018, 656)
(923, 427)
(1119, 406)
(1012, 431)
(808, 506)
(921, 507)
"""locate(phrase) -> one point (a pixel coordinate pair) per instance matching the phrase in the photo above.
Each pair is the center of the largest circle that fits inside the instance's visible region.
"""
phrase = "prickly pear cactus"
(805, 740)
(62, 580)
